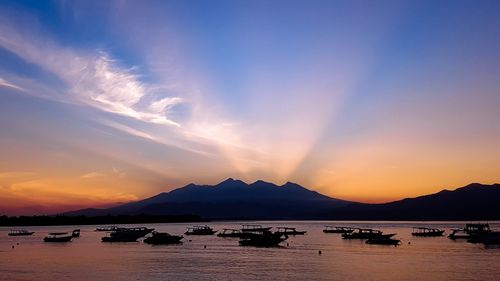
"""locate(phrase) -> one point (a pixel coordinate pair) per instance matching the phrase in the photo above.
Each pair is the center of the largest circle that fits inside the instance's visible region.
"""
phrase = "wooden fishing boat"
(338, 229)
(20, 232)
(470, 230)
(106, 228)
(162, 238)
(366, 233)
(289, 231)
(262, 239)
(127, 234)
(255, 228)
(58, 237)
(200, 230)
(231, 233)
(427, 232)
(383, 241)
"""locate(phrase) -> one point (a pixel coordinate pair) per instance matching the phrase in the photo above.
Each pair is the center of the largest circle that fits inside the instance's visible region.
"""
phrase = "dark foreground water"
(86, 258)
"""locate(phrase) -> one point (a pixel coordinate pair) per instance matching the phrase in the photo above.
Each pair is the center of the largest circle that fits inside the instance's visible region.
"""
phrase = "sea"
(314, 256)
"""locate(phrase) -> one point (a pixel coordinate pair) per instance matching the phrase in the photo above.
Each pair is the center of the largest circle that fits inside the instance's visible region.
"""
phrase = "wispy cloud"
(7, 84)
(93, 78)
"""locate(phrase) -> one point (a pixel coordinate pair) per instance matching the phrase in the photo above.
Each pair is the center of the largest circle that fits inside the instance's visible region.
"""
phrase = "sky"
(103, 102)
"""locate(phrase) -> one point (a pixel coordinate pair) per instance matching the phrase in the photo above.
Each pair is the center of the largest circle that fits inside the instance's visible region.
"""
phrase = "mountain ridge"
(235, 199)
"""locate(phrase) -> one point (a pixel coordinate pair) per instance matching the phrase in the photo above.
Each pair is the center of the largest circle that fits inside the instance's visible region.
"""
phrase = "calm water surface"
(86, 258)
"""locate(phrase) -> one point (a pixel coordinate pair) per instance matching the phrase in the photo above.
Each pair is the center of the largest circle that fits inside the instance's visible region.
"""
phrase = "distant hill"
(472, 202)
(234, 199)
(230, 199)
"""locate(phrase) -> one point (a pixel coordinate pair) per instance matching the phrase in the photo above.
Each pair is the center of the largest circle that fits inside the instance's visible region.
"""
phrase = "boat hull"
(163, 239)
(382, 241)
(212, 232)
(58, 239)
(21, 234)
(436, 234)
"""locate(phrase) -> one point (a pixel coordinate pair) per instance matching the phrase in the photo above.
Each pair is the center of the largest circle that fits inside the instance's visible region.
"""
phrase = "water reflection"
(86, 258)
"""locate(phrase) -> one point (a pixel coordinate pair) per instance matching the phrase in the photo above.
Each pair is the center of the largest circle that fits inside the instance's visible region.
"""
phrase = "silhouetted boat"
(228, 232)
(262, 239)
(427, 232)
(254, 228)
(200, 230)
(75, 233)
(58, 237)
(162, 238)
(338, 229)
(107, 228)
(20, 232)
(289, 231)
(126, 234)
(470, 230)
(366, 233)
(490, 238)
(383, 241)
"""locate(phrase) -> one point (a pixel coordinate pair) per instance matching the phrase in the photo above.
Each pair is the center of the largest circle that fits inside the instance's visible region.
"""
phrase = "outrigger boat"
(200, 230)
(383, 241)
(289, 231)
(75, 233)
(367, 233)
(427, 232)
(58, 237)
(470, 230)
(228, 232)
(262, 239)
(163, 238)
(255, 228)
(20, 232)
(127, 234)
(338, 229)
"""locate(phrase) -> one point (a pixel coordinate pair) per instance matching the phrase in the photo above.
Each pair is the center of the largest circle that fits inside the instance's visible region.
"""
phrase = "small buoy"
(409, 242)
(319, 252)
(12, 246)
(205, 246)
(17, 243)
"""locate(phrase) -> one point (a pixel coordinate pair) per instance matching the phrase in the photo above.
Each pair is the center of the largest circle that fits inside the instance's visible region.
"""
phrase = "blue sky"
(110, 101)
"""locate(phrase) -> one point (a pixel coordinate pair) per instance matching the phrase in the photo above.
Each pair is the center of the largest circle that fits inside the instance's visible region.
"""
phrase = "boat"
(20, 232)
(383, 241)
(366, 233)
(232, 233)
(490, 238)
(289, 231)
(106, 228)
(427, 232)
(262, 239)
(58, 237)
(470, 230)
(200, 230)
(123, 234)
(163, 238)
(75, 233)
(338, 229)
(255, 228)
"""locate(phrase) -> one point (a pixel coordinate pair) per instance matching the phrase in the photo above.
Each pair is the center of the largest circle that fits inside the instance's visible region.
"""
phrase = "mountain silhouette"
(230, 199)
(472, 202)
(235, 199)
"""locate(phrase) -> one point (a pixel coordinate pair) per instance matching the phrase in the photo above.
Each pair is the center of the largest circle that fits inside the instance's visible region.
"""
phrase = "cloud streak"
(92, 78)
(7, 84)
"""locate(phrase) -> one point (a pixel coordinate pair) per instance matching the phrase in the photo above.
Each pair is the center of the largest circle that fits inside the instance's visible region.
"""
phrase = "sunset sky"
(112, 101)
